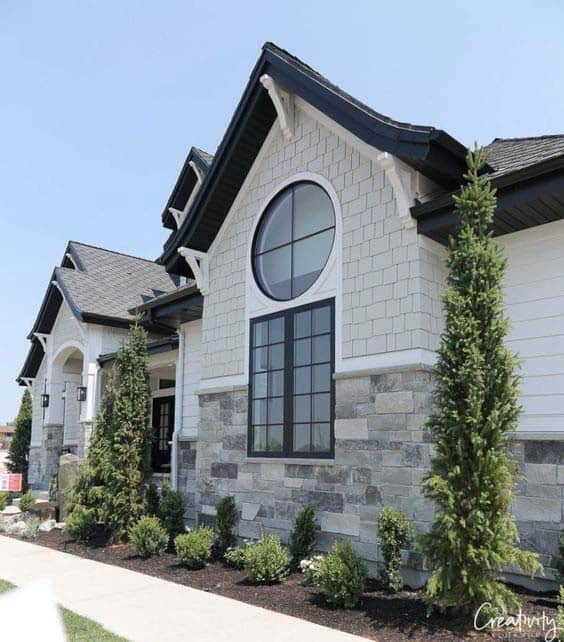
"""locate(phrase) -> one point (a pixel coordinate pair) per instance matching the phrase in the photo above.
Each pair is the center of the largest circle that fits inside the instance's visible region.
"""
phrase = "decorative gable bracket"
(28, 381)
(283, 103)
(42, 338)
(199, 264)
(394, 173)
(179, 215)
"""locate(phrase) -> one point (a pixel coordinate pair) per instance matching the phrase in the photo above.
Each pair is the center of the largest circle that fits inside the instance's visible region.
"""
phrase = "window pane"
(302, 441)
(276, 226)
(321, 407)
(313, 210)
(259, 385)
(274, 270)
(302, 381)
(321, 320)
(310, 256)
(276, 330)
(276, 410)
(302, 352)
(302, 324)
(276, 356)
(259, 411)
(275, 438)
(276, 383)
(321, 348)
(261, 334)
(322, 378)
(260, 360)
(321, 438)
(302, 408)
(259, 438)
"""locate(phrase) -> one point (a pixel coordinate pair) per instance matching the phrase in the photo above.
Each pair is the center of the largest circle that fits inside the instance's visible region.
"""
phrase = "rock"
(59, 526)
(47, 525)
(69, 469)
(17, 528)
(11, 510)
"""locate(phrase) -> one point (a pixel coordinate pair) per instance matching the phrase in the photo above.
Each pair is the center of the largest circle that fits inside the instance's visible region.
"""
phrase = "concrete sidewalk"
(146, 609)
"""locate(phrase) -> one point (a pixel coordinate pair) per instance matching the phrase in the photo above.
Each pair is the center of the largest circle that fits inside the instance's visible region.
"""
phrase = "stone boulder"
(47, 525)
(69, 470)
(17, 528)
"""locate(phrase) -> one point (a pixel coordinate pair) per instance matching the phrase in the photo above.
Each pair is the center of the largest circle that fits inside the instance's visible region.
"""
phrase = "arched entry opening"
(67, 380)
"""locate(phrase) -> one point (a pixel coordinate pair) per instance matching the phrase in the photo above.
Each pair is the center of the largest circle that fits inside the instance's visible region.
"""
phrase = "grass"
(78, 628)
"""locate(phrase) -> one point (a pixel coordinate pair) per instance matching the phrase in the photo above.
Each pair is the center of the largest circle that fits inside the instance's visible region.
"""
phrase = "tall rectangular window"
(291, 400)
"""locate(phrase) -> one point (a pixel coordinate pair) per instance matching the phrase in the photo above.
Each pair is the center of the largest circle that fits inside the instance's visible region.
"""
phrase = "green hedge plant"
(226, 520)
(148, 537)
(266, 561)
(193, 549)
(394, 532)
(343, 576)
(171, 511)
(27, 500)
(302, 539)
(152, 501)
(81, 522)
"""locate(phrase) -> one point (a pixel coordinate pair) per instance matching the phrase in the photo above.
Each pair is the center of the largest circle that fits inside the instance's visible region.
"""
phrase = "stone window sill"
(290, 460)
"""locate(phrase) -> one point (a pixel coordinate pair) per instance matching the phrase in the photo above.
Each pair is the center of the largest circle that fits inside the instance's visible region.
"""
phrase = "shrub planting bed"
(399, 617)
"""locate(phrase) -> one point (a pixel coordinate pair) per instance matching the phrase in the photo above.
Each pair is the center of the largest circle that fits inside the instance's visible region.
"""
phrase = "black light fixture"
(81, 393)
(45, 400)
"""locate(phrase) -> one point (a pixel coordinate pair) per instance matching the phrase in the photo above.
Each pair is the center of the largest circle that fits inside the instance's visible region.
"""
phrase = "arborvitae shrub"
(226, 519)
(171, 511)
(18, 458)
(473, 537)
(152, 500)
(148, 537)
(194, 548)
(343, 576)
(27, 500)
(302, 539)
(394, 532)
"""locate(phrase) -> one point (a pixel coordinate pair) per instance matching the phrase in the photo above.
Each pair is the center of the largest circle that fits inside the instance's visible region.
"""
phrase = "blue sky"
(101, 100)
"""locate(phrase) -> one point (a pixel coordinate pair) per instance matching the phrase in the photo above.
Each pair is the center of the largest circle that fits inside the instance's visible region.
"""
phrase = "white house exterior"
(298, 311)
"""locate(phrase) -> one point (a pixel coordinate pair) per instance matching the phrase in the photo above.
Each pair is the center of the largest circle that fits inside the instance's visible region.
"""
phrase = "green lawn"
(79, 629)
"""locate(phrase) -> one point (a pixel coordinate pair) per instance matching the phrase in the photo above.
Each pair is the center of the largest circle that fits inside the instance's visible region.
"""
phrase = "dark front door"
(163, 426)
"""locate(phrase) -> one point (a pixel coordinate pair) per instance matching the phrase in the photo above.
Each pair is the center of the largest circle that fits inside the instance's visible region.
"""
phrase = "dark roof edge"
(180, 293)
(153, 347)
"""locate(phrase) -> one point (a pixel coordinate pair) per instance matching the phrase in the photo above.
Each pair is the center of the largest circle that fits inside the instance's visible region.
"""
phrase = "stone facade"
(382, 452)
(44, 459)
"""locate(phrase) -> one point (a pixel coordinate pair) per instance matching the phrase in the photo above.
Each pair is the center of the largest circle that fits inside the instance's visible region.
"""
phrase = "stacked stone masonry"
(382, 453)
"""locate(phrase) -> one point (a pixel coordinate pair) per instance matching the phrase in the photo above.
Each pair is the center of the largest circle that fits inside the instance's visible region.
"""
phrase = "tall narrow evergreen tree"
(474, 535)
(111, 484)
(19, 448)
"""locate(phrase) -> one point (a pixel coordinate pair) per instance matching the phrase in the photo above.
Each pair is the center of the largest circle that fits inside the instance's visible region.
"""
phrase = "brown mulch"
(386, 618)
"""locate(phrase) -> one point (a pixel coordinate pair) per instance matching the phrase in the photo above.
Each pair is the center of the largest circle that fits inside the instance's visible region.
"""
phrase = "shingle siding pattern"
(383, 309)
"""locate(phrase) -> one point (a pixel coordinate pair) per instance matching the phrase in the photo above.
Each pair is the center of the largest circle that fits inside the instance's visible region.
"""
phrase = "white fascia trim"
(199, 264)
(391, 165)
(283, 102)
(69, 256)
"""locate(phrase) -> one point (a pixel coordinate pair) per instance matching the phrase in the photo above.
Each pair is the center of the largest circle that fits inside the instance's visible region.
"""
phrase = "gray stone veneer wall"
(382, 453)
(44, 459)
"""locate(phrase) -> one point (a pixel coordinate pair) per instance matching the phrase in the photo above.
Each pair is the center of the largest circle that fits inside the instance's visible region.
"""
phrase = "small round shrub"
(226, 512)
(171, 511)
(343, 576)
(266, 561)
(234, 556)
(311, 569)
(394, 532)
(148, 537)
(302, 540)
(81, 522)
(194, 548)
(3, 499)
(27, 500)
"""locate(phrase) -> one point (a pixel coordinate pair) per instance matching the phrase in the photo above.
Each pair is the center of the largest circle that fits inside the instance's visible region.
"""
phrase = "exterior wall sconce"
(45, 400)
(81, 393)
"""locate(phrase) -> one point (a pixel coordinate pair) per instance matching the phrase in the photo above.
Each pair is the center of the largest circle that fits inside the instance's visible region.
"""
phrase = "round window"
(293, 240)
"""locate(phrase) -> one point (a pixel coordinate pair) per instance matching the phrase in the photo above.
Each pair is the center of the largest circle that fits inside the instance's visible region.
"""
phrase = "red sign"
(11, 482)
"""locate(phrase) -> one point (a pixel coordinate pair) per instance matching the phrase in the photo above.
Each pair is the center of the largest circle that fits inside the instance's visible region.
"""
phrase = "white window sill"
(290, 460)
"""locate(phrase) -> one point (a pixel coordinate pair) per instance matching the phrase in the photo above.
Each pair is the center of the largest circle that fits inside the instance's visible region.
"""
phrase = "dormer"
(191, 177)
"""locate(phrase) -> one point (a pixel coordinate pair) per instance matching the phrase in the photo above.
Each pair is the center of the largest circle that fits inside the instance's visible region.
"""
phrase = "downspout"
(179, 389)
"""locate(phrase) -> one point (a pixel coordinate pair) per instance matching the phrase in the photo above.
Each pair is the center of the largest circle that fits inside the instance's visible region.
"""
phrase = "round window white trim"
(258, 294)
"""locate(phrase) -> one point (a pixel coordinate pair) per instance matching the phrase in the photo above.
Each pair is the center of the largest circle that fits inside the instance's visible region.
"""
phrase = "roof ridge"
(541, 137)
(105, 249)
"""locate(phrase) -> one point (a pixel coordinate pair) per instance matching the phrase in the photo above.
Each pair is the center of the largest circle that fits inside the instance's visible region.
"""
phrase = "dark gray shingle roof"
(110, 283)
(510, 154)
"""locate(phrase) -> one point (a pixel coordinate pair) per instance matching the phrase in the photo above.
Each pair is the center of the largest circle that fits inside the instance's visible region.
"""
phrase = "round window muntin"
(264, 218)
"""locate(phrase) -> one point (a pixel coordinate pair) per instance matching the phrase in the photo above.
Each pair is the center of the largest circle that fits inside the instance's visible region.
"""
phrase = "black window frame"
(288, 397)
(291, 244)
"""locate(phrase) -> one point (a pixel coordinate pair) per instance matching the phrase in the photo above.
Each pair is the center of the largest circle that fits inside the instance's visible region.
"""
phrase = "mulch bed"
(386, 618)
